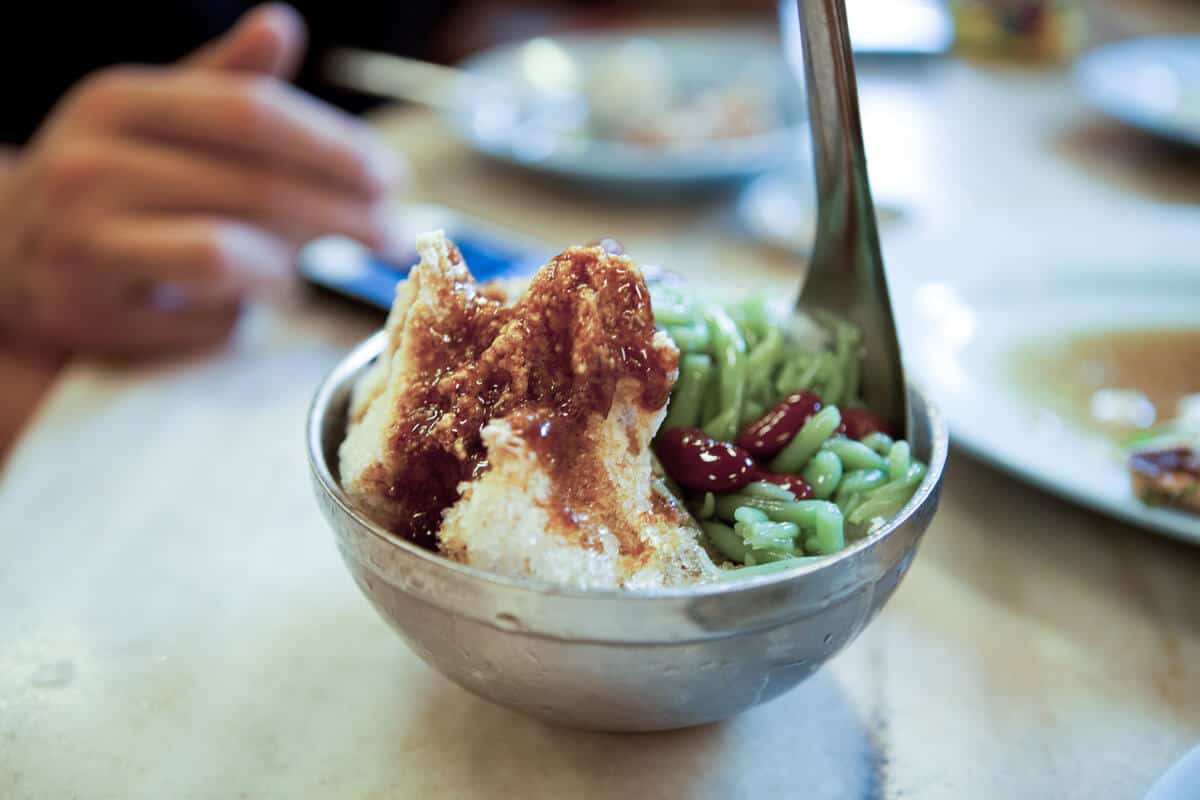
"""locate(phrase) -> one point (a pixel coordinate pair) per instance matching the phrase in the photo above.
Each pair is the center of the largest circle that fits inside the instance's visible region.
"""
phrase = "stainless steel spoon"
(845, 273)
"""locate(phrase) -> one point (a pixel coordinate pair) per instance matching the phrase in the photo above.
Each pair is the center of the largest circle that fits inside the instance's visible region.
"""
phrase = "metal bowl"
(615, 660)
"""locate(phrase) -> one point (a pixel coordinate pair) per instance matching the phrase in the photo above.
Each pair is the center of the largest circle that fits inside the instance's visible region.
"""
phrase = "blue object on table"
(346, 267)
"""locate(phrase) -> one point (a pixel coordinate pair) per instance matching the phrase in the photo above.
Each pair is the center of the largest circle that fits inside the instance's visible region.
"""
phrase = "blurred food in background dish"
(1066, 350)
(635, 95)
(1167, 476)
(665, 108)
(1129, 384)
(1044, 30)
(1138, 388)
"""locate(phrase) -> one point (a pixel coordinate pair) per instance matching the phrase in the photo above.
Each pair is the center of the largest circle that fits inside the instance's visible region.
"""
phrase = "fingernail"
(394, 241)
(167, 297)
(383, 165)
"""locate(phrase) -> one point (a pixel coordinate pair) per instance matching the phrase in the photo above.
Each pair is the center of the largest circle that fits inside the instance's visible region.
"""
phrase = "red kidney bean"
(770, 433)
(858, 422)
(793, 483)
(699, 462)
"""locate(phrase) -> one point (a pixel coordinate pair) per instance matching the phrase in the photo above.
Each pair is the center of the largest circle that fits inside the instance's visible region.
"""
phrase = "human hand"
(154, 200)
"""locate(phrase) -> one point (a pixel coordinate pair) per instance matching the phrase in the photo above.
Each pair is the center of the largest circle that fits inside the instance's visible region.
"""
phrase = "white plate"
(551, 73)
(540, 100)
(1152, 84)
(779, 209)
(1180, 781)
(1031, 278)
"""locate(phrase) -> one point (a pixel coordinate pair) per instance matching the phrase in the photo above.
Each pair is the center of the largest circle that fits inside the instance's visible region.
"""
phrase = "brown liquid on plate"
(1163, 364)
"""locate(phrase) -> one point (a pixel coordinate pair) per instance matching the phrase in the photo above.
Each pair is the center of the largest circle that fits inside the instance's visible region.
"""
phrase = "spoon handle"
(399, 78)
(846, 269)
(840, 163)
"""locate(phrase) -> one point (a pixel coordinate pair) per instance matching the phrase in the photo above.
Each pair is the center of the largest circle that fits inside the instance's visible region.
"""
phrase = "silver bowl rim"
(366, 351)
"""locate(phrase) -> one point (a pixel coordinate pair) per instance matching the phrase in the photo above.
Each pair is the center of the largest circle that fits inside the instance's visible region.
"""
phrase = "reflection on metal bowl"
(612, 660)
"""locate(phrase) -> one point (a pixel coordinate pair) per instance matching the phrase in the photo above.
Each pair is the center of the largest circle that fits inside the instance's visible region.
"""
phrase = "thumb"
(269, 39)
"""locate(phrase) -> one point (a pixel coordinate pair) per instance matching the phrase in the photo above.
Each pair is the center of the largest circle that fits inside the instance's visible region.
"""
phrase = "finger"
(87, 319)
(206, 260)
(149, 329)
(269, 39)
(155, 178)
(257, 118)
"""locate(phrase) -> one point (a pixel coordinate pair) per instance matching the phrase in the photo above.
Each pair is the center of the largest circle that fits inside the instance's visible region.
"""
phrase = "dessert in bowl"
(488, 463)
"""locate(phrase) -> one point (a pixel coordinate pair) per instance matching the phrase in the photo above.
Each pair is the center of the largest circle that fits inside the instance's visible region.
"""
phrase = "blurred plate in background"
(665, 109)
(655, 109)
(899, 27)
(977, 307)
(1152, 84)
